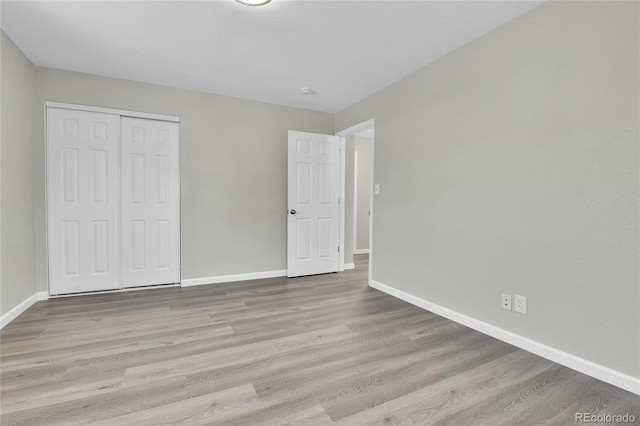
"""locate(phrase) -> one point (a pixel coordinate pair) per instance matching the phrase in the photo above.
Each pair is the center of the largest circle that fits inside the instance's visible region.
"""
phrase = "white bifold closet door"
(150, 202)
(113, 191)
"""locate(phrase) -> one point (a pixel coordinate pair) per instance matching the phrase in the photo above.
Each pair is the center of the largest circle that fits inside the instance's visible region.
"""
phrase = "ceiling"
(343, 51)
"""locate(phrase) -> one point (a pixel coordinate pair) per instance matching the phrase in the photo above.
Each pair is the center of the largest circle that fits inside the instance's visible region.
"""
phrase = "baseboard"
(349, 266)
(232, 278)
(22, 306)
(600, 372)
(361, 251)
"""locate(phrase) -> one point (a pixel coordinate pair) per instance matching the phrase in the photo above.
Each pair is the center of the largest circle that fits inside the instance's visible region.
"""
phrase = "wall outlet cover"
(506, 301)
(521, 304)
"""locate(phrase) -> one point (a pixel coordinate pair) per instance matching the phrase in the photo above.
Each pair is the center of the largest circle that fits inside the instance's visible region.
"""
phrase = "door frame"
(121, 113)
(358, 128)
(114, 111)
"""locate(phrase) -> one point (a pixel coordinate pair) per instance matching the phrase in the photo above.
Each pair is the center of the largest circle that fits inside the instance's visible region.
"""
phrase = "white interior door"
(150, 202)
(313, 227)
(82, 197)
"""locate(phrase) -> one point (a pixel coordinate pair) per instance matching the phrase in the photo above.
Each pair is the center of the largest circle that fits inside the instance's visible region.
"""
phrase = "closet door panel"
(150, 202)
(82, 201)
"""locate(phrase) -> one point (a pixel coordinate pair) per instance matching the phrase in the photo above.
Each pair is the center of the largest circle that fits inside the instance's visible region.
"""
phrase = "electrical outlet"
(521, 304)
(506, 301)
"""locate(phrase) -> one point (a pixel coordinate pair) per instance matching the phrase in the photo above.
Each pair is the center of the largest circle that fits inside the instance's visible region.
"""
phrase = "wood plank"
(312, 350)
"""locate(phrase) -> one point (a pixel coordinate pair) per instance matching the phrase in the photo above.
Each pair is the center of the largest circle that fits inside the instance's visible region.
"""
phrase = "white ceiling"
(342, 50)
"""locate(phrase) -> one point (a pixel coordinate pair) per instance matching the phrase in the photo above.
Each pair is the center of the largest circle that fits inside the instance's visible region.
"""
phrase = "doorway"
(362, 164)
(357, 147)
(312, 161)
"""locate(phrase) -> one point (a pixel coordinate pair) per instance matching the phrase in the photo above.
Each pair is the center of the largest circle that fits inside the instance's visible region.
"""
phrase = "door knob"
(293, 211)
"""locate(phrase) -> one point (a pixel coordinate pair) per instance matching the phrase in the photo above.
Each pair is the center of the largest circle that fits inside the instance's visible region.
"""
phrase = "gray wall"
(17, 252)
(363, 148)
(233, 168)
(511, 165)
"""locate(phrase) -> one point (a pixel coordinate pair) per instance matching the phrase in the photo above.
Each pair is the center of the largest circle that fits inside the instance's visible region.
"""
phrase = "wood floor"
(316, 350)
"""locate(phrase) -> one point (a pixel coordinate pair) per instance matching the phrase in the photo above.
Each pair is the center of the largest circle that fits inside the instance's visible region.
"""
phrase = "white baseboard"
(349, 266)
(361, 251)
(232, 278)
(606, 374)
(22, 306)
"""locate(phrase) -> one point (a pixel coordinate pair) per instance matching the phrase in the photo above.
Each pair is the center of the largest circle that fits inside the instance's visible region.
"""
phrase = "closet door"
(150, 201)
(82, 198)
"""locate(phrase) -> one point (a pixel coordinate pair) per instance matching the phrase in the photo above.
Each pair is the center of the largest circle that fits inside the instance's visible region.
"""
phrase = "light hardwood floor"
(316, 350)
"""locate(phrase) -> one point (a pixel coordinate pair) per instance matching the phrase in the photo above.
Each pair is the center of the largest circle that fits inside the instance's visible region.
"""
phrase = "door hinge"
(338, 249)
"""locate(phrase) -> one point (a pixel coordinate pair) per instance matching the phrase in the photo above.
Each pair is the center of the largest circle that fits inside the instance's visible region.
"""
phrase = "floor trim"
(22, 306)
(361, 251)
(606, 374)
(349, 266)
(114, 291)
(232, 278)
